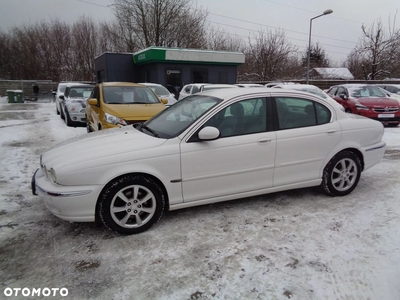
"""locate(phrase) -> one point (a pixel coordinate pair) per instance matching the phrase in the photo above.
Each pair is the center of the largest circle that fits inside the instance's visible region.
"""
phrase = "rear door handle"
(330, 131)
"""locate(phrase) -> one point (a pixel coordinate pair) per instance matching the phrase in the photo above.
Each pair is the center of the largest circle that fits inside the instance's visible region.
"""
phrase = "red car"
(368, 101)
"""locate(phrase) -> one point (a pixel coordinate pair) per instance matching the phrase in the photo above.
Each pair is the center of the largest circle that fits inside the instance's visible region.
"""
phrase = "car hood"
(134, 112)
(81, 101)
(97, 148)
(379, 102)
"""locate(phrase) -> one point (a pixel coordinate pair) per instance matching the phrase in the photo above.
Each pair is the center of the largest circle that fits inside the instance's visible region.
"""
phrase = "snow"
(298, 244)
(334, 73)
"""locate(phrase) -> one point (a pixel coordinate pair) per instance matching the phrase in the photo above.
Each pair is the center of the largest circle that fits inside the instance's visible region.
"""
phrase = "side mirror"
(209, 134)
(92, 101)
(164, 101)
(343, 96)
(61, 97)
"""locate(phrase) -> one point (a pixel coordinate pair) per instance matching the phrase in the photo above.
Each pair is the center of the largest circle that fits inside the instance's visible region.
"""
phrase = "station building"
(169, 66)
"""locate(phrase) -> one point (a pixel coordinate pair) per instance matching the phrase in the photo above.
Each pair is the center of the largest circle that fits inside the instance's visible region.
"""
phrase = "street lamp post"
(326, 12)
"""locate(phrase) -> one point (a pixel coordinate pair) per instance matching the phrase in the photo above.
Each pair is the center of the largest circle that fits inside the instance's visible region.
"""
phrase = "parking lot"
(299, 244)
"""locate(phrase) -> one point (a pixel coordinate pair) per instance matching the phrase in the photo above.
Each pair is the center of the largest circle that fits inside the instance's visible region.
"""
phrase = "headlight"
(361, 107)
(114, 120)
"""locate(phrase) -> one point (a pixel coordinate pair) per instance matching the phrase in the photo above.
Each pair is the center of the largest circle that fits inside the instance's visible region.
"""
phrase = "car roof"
(120, 84)
(80, 85)
(232, 93)
(151, 84)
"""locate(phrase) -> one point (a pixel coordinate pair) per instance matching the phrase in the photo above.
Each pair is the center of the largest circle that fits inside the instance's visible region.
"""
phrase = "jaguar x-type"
(209, 147)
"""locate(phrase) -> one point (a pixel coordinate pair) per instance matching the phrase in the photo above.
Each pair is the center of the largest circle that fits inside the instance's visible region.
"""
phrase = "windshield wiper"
(142, 126)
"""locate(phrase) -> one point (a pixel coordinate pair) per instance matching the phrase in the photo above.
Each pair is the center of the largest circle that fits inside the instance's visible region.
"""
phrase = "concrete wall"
(45, 87)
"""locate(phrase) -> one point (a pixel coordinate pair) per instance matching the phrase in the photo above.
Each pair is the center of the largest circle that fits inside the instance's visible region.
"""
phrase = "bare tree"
(318, 57)
(218, 39)
(84, 48)
(170, 23)
(269, 55)
(377, 50)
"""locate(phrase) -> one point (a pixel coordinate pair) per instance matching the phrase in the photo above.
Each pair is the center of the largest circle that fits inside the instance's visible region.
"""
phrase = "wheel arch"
(152, 177)
(356, 152)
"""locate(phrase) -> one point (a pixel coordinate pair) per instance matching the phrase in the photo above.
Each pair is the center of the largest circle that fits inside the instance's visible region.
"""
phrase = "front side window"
(174, 120)
(297, 113)
(129, 95)
(243, 117)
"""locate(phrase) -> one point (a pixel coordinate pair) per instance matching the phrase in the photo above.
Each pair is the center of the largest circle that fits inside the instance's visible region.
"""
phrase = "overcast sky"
(337, 33)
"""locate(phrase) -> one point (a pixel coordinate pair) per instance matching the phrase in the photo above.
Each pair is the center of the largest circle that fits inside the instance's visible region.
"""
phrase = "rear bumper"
(373, 154)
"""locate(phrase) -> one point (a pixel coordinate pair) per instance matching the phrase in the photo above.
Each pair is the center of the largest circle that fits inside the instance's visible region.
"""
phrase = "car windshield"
(159, 90)
(174, 120)
(129, 95)
(366, 92)
(80, 92)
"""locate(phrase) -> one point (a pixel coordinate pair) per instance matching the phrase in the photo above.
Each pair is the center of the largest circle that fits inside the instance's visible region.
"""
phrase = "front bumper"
(71, 203)
(78, 116)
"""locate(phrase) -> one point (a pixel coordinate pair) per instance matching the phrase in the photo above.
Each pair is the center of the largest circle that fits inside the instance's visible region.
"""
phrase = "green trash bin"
(19, 96)
(10, 95)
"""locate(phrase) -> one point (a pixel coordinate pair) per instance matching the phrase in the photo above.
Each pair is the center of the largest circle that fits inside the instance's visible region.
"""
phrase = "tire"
(68, 120)
(142, 206)
(88, 128)
(341, 174)
(57, 111)
(62, 116)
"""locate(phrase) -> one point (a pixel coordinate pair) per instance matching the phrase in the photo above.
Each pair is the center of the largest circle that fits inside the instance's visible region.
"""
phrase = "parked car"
(60, 92)
(174, 90)
(309, 88)
(161, 92)
(115, 104)
(272, 84)
(194, 88)
(73, 104)
(214, 146)
(393, 91)
(392, 88)
(367, 100)
(247, 85)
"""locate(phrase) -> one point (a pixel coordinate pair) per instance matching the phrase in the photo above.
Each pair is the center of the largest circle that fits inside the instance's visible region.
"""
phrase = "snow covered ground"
(299, 244)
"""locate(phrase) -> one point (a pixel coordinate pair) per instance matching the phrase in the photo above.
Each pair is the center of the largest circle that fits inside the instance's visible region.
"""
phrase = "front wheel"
(341, 174)
(131, 204)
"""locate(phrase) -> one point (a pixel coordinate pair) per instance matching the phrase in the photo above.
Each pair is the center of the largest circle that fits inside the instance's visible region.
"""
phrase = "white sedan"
(209, 147)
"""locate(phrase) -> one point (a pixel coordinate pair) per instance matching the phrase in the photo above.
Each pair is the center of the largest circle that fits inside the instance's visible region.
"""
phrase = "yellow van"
(115, 104)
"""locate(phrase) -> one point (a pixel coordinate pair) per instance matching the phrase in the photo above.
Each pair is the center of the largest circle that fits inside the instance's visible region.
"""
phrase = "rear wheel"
(131, 204)
(341, 174)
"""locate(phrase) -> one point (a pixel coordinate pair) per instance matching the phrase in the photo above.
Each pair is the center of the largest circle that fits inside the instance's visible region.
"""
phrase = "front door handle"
(264, 141)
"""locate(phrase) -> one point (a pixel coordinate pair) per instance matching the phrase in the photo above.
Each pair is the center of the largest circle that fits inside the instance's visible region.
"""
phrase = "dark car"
(367, 100)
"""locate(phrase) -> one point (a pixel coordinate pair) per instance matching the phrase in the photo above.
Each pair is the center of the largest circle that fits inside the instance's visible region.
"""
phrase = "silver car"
(161, 92)
(73, 104)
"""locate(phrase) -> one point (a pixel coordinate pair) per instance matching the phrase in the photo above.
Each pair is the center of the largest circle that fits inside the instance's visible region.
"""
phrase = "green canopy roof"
(180, 55)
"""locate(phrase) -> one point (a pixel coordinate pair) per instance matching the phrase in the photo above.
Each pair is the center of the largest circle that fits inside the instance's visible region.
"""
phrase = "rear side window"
(297, 113)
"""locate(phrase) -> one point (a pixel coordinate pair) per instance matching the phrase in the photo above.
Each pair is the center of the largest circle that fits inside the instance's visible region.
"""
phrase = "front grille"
(386, 109)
